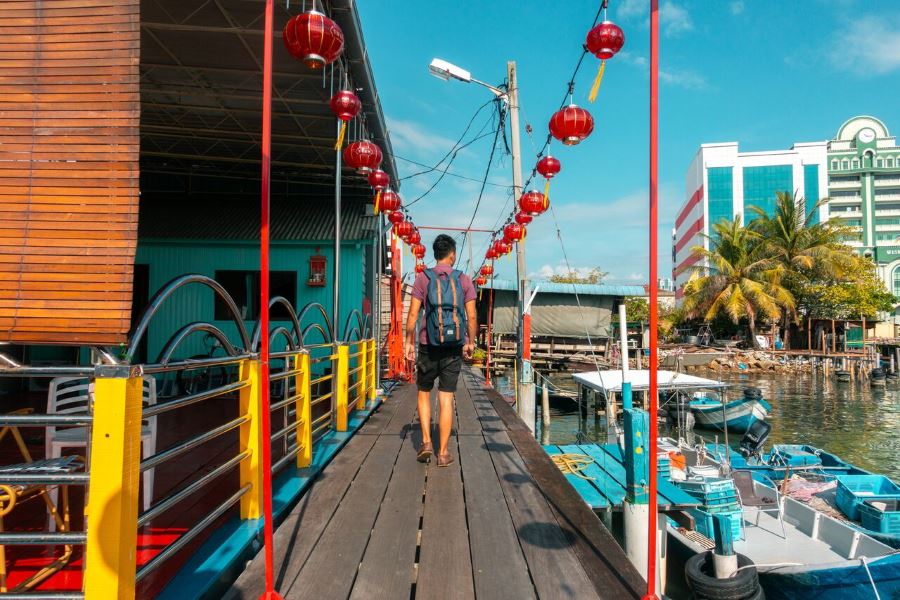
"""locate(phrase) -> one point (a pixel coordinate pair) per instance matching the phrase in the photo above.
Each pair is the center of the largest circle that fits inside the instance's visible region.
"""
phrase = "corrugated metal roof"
(572, 288)
(238, 219)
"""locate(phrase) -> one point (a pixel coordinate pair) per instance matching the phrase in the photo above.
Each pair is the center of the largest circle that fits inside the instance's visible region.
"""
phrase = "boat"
(812, 555)
(736, 415)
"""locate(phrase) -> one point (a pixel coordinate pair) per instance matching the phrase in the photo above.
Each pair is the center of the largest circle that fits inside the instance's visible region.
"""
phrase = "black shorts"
(443, 364)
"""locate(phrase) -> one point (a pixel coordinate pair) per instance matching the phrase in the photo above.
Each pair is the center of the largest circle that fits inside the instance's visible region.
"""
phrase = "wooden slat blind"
(69, 143)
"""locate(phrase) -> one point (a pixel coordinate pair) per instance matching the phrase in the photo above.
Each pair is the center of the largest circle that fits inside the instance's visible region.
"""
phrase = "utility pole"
(525, 385)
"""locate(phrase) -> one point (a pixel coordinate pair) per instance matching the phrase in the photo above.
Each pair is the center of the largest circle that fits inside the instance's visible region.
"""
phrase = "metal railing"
(314, 389)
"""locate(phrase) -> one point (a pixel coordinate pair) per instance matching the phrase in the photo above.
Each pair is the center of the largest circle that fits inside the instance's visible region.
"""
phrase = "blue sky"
(765, 73)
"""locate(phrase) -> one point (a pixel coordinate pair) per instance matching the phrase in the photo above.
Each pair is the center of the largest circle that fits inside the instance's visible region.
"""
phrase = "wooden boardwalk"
(501, 522)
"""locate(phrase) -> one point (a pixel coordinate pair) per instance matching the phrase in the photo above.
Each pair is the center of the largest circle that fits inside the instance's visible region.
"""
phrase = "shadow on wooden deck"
(501, 522)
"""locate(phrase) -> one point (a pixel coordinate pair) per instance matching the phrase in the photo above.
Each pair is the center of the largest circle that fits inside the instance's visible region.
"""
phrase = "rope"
(573, 464)
(872, 581)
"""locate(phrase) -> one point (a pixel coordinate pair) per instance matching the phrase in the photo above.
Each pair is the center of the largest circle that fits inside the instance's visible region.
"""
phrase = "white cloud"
(678, 77)
(869, 44)
(415, 138)
(673, 18)
(737, 7)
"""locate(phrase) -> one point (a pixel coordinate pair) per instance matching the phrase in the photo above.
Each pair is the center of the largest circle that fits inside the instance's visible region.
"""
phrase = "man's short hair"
(443, 246)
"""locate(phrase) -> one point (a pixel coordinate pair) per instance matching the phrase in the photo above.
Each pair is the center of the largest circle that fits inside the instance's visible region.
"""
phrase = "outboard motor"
(753, 441)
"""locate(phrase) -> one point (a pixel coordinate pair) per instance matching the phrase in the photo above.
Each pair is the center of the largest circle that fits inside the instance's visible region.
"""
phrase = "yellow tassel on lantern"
(377, 202)
(546, 190)
(480, 292)
(343, 132)
(596, 87)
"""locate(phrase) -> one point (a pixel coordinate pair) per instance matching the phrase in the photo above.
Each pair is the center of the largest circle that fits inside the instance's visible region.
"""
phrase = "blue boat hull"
(738, 415)
(845, 583)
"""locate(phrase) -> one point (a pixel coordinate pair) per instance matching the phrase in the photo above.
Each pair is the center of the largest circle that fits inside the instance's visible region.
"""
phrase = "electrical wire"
(420, 164)
(487, 171)
(454, 147)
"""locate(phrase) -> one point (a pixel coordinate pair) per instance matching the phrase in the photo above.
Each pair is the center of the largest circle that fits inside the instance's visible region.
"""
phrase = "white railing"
(844, 184)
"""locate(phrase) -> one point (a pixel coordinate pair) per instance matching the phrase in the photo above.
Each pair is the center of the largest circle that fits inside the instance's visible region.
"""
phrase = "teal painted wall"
(720, 194)
(169, 259)
(760, 185)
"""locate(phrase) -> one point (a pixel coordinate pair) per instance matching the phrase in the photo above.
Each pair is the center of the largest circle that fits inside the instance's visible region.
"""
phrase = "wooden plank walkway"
(501, 522)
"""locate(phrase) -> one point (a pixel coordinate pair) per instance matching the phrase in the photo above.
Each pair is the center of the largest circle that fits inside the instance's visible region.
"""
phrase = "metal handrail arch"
(182, 334)
(166, 292)
(292, 313)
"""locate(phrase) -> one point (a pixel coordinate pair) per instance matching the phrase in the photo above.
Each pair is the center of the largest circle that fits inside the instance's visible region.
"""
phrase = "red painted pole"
(490, 322)
(653, 400)
(264, 413)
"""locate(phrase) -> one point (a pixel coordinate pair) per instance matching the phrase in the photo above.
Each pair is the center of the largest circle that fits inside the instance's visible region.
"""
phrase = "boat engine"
(753, 441)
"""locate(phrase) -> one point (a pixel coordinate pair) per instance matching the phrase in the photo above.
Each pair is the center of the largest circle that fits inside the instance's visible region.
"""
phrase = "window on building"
(890, 161)
(761, 183)
(845, 164)
(243, 287)
(879, 162)
(720, 194)
(811, 190)
(887, 221)
(855, 163)
(834, 165)
(895, 280)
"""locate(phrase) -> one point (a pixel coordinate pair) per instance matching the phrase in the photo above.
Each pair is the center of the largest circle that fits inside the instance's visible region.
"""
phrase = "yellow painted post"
(341, 366)
(250, 439)
(362, 376)
(373, 376)
(112, 508)
(304, 409)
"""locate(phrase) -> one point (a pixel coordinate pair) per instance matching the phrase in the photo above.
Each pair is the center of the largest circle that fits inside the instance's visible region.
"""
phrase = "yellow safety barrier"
(363, 378)
(341, 387)
(304, 410)
(251, 439)
(373, 376)
(112, 510)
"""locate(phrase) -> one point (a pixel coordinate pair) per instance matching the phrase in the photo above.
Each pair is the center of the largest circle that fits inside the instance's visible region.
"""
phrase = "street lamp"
(446, 71)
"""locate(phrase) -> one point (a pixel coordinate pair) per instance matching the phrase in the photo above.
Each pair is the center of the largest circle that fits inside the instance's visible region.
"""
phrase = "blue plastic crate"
(853, 490)
(707, 485)
(883, 521)
(703, 520)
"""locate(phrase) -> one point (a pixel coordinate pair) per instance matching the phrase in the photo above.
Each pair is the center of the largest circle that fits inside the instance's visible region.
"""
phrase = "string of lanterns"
(317, 41)
(570, 125)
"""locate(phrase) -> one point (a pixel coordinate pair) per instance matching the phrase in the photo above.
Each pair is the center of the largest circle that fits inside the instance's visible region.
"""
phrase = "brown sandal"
(425, 452)
(445, 460)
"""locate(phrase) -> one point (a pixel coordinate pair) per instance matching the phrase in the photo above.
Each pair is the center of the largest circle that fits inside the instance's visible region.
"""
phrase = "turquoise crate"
(703, 520)
(882, 521)
(853, 490)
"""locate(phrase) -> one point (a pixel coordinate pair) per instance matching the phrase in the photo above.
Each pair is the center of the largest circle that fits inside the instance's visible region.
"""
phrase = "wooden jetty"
(501, 522)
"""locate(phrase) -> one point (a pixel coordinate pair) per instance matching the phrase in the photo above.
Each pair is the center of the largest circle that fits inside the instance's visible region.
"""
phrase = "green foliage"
(742, 281)
(858, 293)
(637, 309)
(594, 276)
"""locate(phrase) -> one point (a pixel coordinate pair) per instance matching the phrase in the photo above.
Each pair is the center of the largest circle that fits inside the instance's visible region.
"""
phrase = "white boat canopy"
(611, 381)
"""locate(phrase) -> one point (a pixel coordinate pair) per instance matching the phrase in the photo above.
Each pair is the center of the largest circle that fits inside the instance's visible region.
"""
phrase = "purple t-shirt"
(420, 292)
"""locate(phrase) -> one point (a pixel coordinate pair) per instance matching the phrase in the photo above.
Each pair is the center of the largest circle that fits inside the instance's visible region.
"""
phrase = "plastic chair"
(749, 498)
(71, 395)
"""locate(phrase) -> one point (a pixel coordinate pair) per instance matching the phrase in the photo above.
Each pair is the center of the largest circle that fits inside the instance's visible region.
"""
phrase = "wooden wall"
(69, 110)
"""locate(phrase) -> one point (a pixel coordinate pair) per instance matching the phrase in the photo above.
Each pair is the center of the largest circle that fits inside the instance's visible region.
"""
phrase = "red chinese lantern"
(603, 41)
(420, 267)
(418, 251)
(571, 125)
(390, 203)
(523, 218)
(364, 156)
(487, 270)
(501, 248)
(548, 167)
(345, 105)
(313, 39)
(414, 238)
(490, 254)
(403, 228)
(379, 180)
(479, 281)
(533, 203)
(395, 217)
(513, 233)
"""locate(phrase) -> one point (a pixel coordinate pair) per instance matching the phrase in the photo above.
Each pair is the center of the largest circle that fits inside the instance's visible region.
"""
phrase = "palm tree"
(794, 239)
(740, 281)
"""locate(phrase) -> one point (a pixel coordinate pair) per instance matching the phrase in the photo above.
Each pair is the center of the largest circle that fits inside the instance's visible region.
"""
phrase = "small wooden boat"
(737, 415)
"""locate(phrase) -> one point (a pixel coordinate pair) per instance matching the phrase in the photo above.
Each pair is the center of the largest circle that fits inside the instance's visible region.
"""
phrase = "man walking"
(447, 334)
